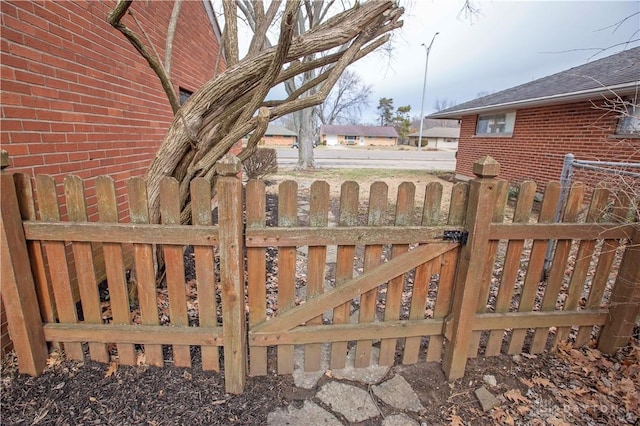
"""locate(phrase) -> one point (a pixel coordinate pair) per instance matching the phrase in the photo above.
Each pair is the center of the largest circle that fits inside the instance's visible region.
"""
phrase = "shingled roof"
(619, 73)
(438, 132)
(371, 131)
(275, 130)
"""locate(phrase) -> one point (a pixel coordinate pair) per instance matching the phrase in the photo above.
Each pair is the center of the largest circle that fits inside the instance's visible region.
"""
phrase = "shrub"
(263, 162)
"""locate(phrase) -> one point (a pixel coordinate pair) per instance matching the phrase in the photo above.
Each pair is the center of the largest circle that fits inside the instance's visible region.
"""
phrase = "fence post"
(232, 272)
(482, 195)
(18, 287)
(625, 300)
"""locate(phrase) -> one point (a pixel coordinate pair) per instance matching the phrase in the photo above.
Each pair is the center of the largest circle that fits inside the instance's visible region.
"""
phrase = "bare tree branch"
(231, 32)
(171, 32)
(115, 20)
(260, 40)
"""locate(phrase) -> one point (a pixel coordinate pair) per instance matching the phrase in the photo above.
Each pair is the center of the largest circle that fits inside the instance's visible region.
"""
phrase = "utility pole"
(424, 87)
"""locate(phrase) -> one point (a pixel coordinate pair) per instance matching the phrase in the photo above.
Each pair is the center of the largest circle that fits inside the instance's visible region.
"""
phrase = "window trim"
(633, 115)
(509, 124)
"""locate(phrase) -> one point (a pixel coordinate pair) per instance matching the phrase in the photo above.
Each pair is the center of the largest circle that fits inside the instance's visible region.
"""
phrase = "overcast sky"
(508, 43)
(505, 44)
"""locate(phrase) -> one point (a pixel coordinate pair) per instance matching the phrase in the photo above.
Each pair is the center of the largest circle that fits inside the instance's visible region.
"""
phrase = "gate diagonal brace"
(290, 319)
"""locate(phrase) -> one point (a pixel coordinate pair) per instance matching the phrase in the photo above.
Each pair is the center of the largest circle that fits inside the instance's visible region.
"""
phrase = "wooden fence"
(383, 286)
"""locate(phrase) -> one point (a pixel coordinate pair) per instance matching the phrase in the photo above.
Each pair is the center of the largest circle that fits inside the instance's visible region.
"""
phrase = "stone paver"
(398, 393)
(353, 403)
(310, 414)
(399, 420)
(486, 398)
(369, 375)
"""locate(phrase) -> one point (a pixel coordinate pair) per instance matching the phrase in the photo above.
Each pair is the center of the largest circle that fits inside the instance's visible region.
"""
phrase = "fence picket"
(448, 261)
(174, 266)
(287, 217)
(85, 272)
(57, 260)
(582, 262)
(349, 193)
(393, 302)
(498, 216)
(318, 217)
(603, 268)
(44, 290)
(536, 265)
(116, 277)
(372, 257)
(557, 271)
(624, 305)
(524, 205)
(205, 269)
(257, 274)
(424, 272)
(145, 276)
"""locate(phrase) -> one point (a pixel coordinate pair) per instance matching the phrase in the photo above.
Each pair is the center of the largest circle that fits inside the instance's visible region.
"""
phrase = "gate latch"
(456, 237)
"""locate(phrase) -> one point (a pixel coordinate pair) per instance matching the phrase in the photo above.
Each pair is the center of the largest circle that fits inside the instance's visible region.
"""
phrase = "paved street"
(342, 157)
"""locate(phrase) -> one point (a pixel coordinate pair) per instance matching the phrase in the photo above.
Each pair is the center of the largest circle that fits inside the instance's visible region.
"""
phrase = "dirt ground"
(393, 180)
(566, 387)
(571, 387)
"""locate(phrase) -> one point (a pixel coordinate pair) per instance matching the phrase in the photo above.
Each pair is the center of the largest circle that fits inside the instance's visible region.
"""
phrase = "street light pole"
(424, 87)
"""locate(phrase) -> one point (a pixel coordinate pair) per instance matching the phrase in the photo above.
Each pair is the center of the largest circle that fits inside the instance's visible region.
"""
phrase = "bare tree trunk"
(306, 134)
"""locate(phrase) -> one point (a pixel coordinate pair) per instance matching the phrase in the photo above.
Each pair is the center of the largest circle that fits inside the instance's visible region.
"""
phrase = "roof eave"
(619, 90)
(214, 22)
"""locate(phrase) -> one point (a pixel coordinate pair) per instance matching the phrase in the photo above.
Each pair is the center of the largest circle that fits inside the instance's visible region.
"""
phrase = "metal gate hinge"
(456, 236)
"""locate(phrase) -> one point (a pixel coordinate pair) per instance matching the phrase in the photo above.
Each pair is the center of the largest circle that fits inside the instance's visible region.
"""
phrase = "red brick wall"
(279, 140)
(77, 98)
(541, 138)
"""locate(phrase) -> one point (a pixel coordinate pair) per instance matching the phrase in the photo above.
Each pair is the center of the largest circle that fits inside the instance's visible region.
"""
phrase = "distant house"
(358, 135)
(591, 111)
(278, 136)
(436, 137)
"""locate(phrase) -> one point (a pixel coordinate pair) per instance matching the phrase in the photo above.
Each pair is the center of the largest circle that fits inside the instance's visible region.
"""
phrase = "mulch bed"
(570, 387)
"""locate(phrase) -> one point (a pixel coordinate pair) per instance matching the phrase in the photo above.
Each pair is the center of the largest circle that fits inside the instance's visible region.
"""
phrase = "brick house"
(278, 136)
(358, 135)
(529, 128)
(77, 98)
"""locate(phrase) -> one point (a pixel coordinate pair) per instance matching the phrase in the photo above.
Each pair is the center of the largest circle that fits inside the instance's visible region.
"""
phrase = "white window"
(501, 124)
(350, 139)
(184, 95)
(629, 123)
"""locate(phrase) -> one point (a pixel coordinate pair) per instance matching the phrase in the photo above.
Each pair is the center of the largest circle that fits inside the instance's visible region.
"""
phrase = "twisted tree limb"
(115, 20)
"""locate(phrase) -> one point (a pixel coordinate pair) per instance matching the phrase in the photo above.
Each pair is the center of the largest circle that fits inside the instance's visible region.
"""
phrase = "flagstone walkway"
(375, 395)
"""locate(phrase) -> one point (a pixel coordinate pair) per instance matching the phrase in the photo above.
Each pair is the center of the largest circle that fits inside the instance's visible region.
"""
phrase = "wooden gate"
(404, 269)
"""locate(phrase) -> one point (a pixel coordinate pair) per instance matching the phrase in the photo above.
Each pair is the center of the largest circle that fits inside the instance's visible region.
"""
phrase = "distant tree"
(402, 122)
(442, 104)
(345, 102)
(385, 111)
